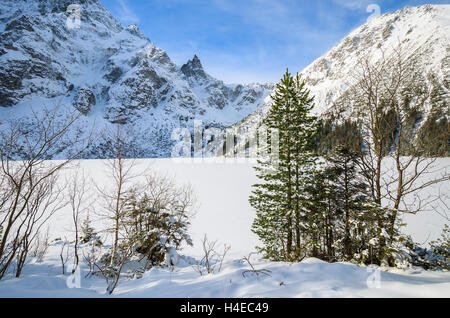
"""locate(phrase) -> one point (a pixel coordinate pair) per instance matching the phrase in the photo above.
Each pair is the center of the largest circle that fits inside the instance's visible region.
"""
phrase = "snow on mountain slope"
(423, 30)
(112, 74)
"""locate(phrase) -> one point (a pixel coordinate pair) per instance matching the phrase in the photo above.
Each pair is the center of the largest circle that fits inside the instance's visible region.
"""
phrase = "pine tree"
(157, 221)
(349, 192)
(88, 233)
(315, 221)
(279, 200)
(309, 209)
(359, 224)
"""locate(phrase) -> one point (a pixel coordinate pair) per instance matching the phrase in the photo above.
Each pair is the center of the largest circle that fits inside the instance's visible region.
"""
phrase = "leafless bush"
(145, 218)
(212, 260)
(122, 173)
(41, 246)
(383, 96)
(111, 271)
(64, 254)
(79, 198)
(254, 271)
(29, 191)
(92, 257)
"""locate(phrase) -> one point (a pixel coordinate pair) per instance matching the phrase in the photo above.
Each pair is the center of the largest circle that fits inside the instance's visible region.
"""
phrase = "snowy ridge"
(112, 74)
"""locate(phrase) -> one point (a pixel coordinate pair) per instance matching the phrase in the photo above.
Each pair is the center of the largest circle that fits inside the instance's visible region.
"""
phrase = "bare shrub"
(212, 259)
(29, 191)
(64, 254)
(79, 197)
(41, 246)
(92, 257)
(254, 271)
(122, 173)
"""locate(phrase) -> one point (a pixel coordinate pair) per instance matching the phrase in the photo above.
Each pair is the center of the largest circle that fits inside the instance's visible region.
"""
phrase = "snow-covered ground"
(224, 214)
(310, 278)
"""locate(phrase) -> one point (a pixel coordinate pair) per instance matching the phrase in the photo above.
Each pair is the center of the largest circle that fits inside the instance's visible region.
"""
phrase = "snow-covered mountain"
(423, 30)
(112, 74)
(116, 75)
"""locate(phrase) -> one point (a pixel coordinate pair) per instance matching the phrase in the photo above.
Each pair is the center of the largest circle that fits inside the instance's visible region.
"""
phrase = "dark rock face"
(193, 70)
(84, 100)
(115, 73)
(220, 95)
(24, 23)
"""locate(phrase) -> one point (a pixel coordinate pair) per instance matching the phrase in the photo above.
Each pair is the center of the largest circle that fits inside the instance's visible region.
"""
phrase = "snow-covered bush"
(441, 248)
(111, 264)
(88, 234)
(157, 219)
(152, 226)
(173, 259)
(437, 256)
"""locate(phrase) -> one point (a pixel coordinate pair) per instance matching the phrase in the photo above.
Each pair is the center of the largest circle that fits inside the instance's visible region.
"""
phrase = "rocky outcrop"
(216, 93)
(84, 100)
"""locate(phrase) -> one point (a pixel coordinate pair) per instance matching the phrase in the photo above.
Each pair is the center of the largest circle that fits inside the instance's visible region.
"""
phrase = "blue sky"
(242, 41)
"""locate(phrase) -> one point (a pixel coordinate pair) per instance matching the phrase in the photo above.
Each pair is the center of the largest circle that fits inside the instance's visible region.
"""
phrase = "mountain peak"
(194, 69)
(196, 62)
